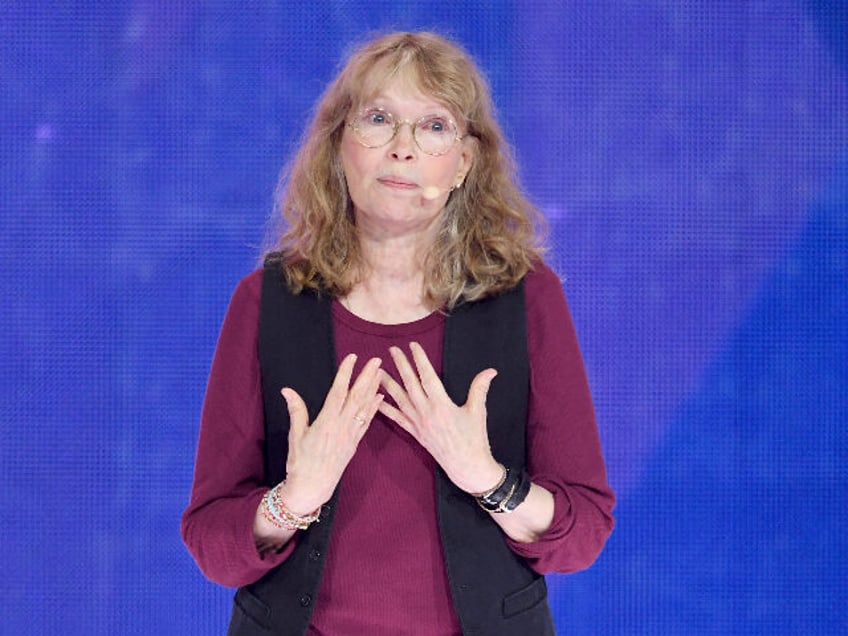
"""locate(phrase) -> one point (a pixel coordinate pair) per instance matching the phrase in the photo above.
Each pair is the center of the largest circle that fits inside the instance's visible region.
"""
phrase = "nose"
(402, 146)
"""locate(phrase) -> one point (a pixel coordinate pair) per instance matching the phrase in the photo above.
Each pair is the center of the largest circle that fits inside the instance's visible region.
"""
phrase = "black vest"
(493, 590)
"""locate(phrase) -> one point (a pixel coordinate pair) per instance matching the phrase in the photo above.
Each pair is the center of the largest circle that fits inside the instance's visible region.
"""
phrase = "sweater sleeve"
(563, 446)
(217, 525)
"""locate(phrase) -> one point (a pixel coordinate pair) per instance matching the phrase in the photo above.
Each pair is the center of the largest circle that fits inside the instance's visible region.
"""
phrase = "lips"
(398, 182)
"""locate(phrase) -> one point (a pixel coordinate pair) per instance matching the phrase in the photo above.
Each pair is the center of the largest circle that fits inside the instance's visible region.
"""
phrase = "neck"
(391, 282)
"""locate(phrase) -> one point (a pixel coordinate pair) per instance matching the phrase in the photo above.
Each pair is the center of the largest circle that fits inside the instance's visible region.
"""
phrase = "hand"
(455, 436)
(318, 454)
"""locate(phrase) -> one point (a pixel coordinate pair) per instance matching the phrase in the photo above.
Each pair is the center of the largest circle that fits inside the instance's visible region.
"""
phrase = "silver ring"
(359, 419)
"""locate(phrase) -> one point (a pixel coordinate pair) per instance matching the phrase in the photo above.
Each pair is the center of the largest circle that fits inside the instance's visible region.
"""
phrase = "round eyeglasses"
(433, 134)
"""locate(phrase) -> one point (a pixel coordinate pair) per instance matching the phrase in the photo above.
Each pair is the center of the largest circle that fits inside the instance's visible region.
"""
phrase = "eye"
(435, 124)
(376, 117)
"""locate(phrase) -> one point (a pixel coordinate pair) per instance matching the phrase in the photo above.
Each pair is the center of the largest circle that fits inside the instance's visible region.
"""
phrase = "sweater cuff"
(255, 559)
(558, 531)
(243, 563)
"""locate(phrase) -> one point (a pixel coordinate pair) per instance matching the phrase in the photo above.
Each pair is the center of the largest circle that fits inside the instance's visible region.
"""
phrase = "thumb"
(479, 389)
(298, 413)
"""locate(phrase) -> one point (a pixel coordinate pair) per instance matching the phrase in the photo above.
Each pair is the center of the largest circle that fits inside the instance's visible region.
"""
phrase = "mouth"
(397, 182)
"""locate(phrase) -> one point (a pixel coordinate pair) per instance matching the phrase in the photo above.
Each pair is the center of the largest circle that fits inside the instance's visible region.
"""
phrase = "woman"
(355, 473)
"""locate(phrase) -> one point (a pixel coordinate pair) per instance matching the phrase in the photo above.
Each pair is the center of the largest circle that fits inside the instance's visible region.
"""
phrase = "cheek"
(357, 185)
(352, 174)
(356, 189)
(443, 173)
(355, 163)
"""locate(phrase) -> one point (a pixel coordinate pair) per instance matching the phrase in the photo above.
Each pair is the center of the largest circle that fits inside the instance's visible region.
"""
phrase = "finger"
(408, 376)
(398, 418)
(397, 393)
(479, 389)
(369, 413)
(364, 387)
(373, 407)
(298, 413)
(338, 391)
(429, 378)
(369, 378)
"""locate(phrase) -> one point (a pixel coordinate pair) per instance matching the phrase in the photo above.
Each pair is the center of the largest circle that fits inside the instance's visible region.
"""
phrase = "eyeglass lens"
(434, 134)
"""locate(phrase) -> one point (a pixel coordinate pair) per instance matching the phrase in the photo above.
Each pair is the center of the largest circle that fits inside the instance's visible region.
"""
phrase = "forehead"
(401, 90)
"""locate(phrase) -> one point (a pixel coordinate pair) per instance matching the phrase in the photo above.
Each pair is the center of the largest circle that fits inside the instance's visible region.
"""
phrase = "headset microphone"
(432, 192)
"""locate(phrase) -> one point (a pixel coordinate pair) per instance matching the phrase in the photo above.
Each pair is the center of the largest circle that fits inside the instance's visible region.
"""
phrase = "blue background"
(692, 158)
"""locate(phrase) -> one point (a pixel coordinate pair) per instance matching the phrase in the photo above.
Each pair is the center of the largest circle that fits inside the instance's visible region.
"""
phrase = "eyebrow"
(379, 100)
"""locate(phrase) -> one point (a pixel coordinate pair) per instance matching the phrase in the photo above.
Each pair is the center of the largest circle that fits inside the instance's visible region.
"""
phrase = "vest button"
(305, 600)
(314, 555)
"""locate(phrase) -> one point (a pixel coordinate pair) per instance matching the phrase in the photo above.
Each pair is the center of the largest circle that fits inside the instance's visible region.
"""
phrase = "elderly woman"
(398, 435)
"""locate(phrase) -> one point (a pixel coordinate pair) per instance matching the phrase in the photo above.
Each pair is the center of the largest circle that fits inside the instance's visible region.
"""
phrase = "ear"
(466, 160)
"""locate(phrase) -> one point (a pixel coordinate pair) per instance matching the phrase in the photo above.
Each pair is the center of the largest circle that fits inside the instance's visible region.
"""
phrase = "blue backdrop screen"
(692, 159)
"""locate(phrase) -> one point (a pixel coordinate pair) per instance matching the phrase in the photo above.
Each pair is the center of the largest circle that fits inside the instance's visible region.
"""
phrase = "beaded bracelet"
(275, 512)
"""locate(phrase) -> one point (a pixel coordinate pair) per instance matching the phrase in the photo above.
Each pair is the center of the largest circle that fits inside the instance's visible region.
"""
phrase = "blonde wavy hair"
(489, 235)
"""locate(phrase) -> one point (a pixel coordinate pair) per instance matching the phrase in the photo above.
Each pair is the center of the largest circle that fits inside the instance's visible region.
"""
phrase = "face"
(397, 187)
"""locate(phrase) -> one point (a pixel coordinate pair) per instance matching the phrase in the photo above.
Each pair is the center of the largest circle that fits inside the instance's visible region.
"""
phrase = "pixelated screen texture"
(692, 161)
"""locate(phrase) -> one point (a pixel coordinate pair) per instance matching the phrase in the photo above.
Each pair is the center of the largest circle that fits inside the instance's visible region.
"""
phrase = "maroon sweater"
(385, 569)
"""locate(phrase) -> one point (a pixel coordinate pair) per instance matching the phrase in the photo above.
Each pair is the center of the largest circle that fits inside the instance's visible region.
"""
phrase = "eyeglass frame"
(397, 124)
